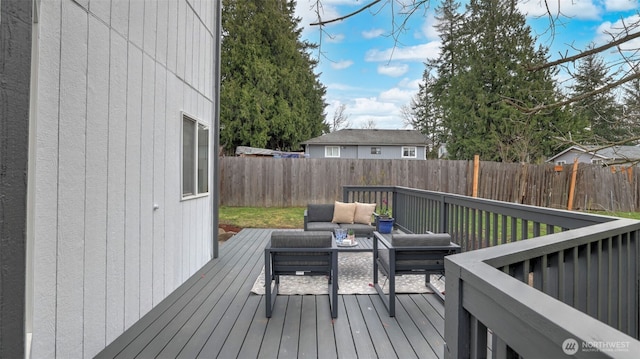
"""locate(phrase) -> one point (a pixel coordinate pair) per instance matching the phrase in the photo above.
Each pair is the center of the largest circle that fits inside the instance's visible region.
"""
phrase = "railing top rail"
(515, 252)
(550, 216)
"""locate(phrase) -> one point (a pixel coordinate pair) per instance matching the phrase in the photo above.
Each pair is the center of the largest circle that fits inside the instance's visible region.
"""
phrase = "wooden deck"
(214, 315)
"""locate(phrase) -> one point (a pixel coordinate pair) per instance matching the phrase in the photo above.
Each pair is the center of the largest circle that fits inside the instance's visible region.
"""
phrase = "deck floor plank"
(359, 331)
(308, 345)
(214, 315)
(399, 338)
(184, 327)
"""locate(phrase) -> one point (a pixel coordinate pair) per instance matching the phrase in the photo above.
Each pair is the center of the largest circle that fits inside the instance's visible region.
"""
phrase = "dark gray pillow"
(320, 212)
(299, 239)
(421, 240)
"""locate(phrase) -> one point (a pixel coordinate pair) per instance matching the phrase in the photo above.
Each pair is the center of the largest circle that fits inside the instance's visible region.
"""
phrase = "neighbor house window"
(598, 161)
(560, 163)
(332, 151)
(195, 157)
(376, 150)
(408, 152)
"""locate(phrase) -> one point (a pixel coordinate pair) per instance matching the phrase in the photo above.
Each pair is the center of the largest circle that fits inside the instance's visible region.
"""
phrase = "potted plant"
(385, 221)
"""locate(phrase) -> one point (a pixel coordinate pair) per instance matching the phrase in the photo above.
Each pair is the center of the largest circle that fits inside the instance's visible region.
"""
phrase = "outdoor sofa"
(328, 217)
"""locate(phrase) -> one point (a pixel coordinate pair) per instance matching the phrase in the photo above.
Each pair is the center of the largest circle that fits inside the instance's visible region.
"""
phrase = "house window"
(332, 151)
(376, 150)
(195, 157)
(408, 152)
(597, 161)
(561, 163)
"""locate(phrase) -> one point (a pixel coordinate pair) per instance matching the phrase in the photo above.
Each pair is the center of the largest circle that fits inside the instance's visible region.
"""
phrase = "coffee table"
(364, 245)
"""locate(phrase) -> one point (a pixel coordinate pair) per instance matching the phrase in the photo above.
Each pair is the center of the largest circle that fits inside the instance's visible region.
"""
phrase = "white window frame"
(597, 161)
(561, 163)
(409, 149)
(376, 150)
(200, 175)
(329, 151)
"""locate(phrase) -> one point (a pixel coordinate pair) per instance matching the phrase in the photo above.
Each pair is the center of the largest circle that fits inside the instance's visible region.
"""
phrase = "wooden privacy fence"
(294, 182)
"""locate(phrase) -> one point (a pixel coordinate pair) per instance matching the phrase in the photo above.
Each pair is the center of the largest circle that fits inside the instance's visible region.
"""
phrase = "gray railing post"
(444, 216)
(456, 327)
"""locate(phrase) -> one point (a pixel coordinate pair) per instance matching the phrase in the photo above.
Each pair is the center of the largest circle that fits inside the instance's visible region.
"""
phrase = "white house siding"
(113, 79)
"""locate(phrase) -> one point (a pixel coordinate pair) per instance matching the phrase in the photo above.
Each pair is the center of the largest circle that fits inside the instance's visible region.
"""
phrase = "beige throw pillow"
(363, 213)
(343, 212)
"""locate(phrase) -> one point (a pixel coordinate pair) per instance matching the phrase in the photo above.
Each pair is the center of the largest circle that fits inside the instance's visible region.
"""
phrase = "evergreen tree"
(484, 78)
(424, 115)
(631, 102)
(599, 112)
(270, 95)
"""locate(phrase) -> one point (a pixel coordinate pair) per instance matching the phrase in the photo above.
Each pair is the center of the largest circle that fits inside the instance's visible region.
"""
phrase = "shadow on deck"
(215, 315)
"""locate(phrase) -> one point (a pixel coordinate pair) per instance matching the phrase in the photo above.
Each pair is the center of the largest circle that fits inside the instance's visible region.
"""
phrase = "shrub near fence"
(294, 182)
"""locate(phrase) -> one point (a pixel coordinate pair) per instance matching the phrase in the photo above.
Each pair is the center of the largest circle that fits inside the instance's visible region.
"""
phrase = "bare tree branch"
(583, 96)
(322, 23)
(587, 52)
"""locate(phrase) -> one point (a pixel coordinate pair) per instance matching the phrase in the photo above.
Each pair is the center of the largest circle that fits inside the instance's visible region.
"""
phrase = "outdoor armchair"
(309, 253)
(409, 254)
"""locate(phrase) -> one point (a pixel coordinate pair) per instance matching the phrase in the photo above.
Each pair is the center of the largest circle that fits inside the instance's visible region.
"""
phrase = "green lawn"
(293, 217)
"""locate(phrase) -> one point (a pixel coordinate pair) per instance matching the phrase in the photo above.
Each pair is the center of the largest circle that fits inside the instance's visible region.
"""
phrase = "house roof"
(609, 153)
(352, 136)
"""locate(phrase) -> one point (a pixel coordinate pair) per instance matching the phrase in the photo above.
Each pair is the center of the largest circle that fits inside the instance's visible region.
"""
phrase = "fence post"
(572, 185)
(476, 170)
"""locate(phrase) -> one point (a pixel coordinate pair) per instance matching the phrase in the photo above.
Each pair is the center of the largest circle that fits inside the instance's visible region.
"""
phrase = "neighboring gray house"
(108, 156)
(598, 155)
(368, 144)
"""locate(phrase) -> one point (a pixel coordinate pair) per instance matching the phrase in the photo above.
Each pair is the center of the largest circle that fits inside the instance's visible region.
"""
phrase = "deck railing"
(573, 289)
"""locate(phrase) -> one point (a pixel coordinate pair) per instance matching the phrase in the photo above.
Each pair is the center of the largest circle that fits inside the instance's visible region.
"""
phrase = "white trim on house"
(195, 190)
(409, 152)
(332, 151)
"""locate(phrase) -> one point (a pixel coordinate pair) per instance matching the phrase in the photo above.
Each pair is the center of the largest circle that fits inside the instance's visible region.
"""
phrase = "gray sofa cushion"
(298, 239)
(428, 239)
(322, 226)
(319, 212)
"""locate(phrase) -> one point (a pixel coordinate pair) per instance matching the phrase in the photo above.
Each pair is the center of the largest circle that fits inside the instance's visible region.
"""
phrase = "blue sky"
(363, 68)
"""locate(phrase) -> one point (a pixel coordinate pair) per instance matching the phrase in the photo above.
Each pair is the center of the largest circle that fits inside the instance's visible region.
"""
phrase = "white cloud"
(428, 28)
(336, 39)
(410, 84)
(607, 29)
(577, 9)
(421, 52)
(621, 5)
(397, 95)
(373, 33)
(393, 70)
(341, 65)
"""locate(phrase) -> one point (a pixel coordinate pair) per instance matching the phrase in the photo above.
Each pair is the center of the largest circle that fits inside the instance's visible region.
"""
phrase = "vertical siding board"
(173, 173)
(162, 31)
(172, 35)
(159, 145)
(116, 189)
(181, 43)
(120, 16)
(132, 181)
(46, 186)
(188, 53)
(102, 9)
(136, 23)
(150, 20)
(96, 188)
(71, 181)
(146, 189)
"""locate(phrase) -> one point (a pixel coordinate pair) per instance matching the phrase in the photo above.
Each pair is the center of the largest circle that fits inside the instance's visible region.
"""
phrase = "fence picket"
(293, 182)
